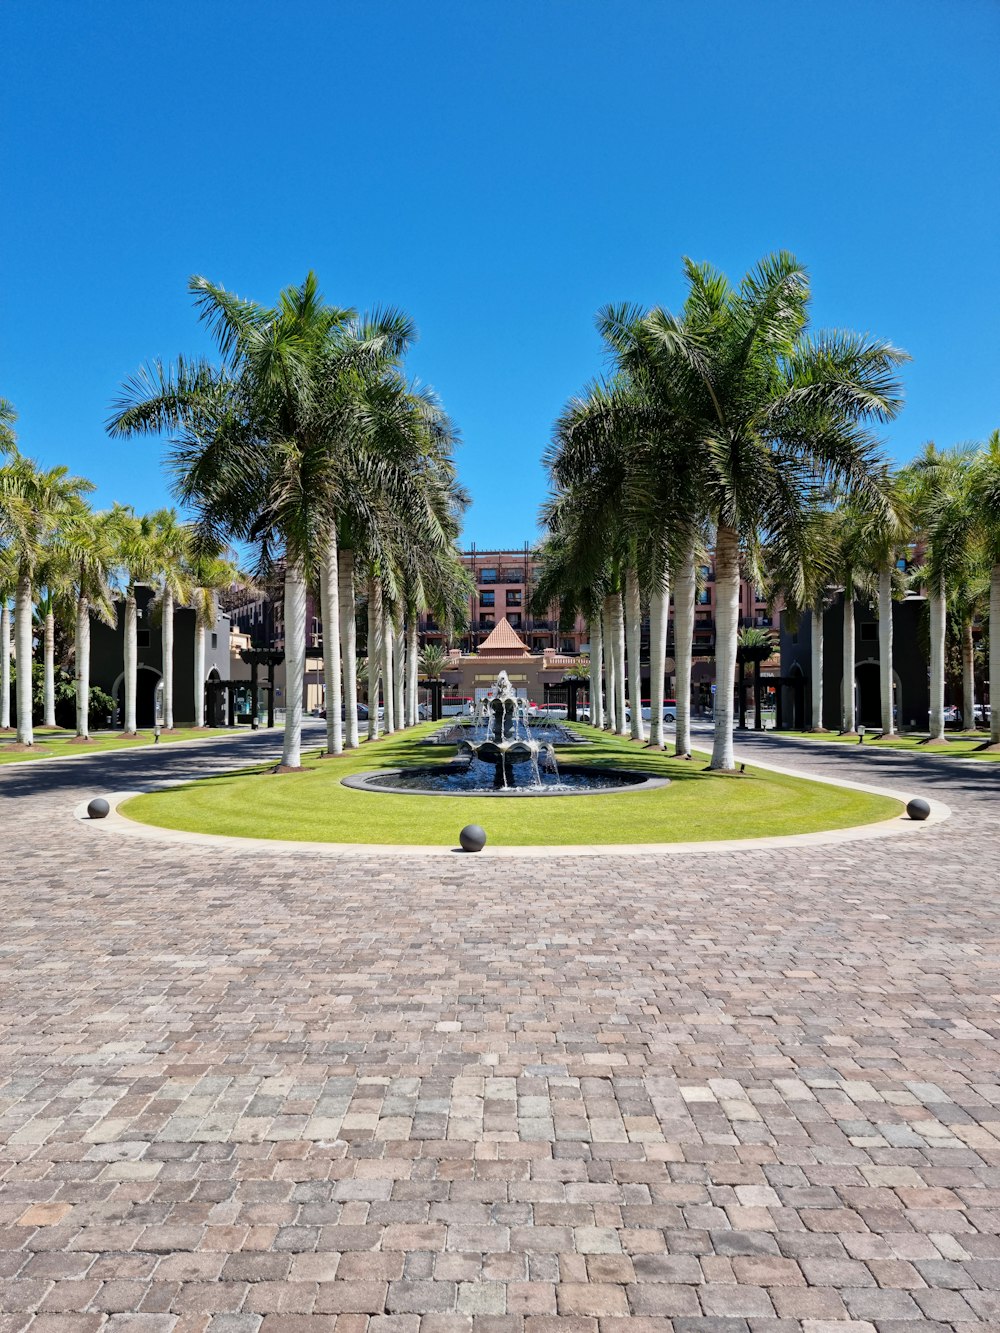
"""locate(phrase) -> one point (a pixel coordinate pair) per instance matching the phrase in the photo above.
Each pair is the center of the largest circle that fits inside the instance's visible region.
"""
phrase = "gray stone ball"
(918, 808)
(98, 808)
(472, 838)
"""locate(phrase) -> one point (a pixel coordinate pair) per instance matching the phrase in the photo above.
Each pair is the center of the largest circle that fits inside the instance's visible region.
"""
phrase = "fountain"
(496, 755)
(501, 736)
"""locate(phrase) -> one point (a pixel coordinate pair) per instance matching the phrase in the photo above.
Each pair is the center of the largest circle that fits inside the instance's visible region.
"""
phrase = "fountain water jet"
(501, 737)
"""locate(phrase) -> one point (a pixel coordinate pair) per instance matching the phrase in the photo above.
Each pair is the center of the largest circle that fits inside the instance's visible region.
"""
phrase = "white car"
(669, 711)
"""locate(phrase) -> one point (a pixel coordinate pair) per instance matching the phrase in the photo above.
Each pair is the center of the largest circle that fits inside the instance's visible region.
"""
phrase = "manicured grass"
(698, 805)
(59, 744)
(959, 745)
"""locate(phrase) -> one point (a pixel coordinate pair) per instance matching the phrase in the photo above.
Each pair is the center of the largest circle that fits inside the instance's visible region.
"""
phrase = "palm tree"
(431, 661)
(985, 496)
(51, 599)
(209, 571)
(800, 580)
(32, 502)
(92, 542)
(774, 414)
(8, 581)
(139, 556)
(172, 541)
(755, 646)
(249, 453)
(939, 485)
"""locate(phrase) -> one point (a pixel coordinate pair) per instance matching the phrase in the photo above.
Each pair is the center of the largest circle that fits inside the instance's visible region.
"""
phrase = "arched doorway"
(215, 700)
(147, 679)
(868, 694)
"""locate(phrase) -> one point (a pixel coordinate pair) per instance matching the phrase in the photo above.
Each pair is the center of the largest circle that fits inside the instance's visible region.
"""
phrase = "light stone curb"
(898, 826)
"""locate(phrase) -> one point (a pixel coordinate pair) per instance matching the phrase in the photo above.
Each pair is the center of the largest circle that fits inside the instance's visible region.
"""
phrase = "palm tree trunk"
(596, 672)
(374, 654)
(131, 654)
(329, 596)
(939, 619)
(684, 595)
(82, 656)
(758, 697)
(412, 668)
(741, 691)
(994, 651)
(633, 625)
(22, 646)
(295, 661)
(659, 615)
(168, 659)
(848, 719)
(816, 666)
(611, 683)
(885, 649)
(618, 631)
(5, 650)
(199, 676)
(968, 676)
(50, 670)
(388, 672)
(727, 615)
(399, 677)
(348, 646)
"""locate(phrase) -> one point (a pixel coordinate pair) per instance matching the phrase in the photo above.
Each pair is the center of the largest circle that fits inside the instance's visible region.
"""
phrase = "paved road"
(721, 1093)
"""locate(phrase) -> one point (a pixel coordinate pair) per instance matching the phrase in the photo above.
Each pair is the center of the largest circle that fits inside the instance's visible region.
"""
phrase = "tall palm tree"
(140, 561)
(32, 502)
(774, 414)
(172, 540)
(985, 496)
(800, 580)
(939, 485)
(248, 450)
(92, 543)
(209, 571)
(8, 581)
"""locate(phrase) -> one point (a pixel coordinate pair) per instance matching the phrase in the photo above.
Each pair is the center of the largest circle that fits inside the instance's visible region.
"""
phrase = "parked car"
(362, 713)
(952, 715)
(669, 711)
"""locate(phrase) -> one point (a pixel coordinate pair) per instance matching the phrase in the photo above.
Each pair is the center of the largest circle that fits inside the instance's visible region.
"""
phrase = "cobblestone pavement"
(718, 1093)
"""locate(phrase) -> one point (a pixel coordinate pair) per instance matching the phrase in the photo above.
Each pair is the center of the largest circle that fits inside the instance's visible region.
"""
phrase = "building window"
(514, 596)
(705, 597)
(215, 640)
(487, 576)
(567, 646)
(487, 598)
(487, 618)
(515, 618)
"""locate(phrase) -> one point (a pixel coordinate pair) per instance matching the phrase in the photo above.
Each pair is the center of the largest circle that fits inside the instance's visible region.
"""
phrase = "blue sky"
(498, 170)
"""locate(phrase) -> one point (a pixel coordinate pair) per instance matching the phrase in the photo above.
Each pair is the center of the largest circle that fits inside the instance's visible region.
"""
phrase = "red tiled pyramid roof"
(504, 641)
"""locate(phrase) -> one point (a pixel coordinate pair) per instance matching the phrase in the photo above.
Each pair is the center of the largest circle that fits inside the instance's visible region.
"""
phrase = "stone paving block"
(380, 1095)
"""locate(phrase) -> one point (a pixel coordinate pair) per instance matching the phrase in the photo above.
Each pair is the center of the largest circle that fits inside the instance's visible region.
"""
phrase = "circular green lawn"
(314, 806)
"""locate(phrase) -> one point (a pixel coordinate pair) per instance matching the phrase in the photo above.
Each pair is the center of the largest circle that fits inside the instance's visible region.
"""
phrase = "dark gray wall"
(107, 656)
(909, 662)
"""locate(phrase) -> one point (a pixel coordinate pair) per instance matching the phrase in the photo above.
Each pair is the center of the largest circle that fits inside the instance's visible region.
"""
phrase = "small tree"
(432, 661)
(756, 646)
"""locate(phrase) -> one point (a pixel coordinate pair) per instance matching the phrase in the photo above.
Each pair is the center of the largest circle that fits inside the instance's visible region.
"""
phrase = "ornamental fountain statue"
(501, 736)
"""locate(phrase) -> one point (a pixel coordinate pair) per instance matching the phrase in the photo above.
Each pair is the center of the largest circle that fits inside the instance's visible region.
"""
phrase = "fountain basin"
(476, 779)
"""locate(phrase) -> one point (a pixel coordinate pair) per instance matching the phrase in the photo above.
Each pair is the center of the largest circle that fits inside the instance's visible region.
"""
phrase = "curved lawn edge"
(712, 813)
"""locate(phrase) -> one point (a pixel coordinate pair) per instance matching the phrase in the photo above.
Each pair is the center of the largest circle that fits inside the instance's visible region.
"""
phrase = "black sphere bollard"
(918, 808)
(98, 808)
(472, 838)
